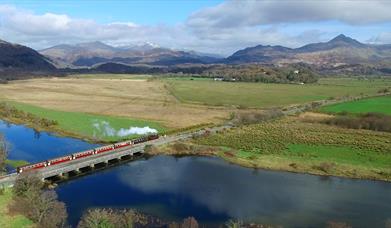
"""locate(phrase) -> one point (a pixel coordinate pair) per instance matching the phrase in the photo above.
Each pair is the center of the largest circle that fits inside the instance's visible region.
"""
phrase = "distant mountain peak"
(341, 38)
(142, 46)
(94, 44)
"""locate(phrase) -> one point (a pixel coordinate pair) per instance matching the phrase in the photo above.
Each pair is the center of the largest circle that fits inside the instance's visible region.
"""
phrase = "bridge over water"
(102, 158)
(121, 153)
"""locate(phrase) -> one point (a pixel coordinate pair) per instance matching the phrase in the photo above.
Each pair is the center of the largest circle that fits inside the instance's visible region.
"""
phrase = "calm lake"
(209, 189)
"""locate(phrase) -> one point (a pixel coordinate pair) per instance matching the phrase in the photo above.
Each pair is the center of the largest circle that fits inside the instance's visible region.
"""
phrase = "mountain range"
(339, 55)
(339, 51)
(90, 54)
(15, 56)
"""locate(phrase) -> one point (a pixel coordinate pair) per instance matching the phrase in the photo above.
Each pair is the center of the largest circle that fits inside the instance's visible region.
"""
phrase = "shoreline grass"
(314, 148)
(16, 163)
(86, 126)
(278, 162)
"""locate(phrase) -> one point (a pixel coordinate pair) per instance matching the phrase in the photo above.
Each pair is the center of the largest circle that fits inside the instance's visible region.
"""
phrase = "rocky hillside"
(15, 57)
(90, 54)
(340, 51)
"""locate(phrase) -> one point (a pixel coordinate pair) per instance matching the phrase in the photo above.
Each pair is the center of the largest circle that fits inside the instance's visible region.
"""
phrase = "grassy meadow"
(261, 95)
(89, 125)
(375, 104)
(293, 145)
(125, 96)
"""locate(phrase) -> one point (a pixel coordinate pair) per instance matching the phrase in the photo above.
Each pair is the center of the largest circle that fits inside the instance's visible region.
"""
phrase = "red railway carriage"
(83, 154)
(31, 167)
(59, 160)
(86, 153)
(104, 148)
(122, 144)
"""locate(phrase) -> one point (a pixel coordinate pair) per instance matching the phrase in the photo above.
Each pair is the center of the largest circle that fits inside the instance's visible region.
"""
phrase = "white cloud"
(382, 38)
(238, 13)
(222, 29)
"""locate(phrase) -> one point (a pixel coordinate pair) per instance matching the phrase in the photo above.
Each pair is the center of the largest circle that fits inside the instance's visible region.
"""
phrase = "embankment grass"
(91, 126)
(292, 145)
(375, 104)
(7, 220)
(262, 95)
(16, 163)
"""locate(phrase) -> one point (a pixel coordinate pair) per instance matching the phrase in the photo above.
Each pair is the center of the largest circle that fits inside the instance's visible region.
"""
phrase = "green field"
(339, 154)
(290, 144)
(15, 163)
(268, 95)
(376, 104)
(97, 127)
(11, 221)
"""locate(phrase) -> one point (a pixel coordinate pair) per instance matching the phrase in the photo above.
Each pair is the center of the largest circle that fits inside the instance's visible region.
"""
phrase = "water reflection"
(263, 196)
(208, 188)
(33, 146)
(213, 191)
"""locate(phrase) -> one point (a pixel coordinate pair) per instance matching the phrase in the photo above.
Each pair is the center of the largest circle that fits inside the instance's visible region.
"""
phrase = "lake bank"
(208, 188)
(276, 163)
(88, 127)
(295, 145)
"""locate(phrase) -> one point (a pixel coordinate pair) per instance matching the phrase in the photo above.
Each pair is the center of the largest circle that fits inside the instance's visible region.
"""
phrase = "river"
(207, 188)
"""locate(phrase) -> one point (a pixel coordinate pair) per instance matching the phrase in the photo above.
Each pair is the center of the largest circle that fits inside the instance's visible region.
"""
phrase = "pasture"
(129, 97)
(95, 106)
(375, 104)
(290, 144)
(98, 127)
(260, 95)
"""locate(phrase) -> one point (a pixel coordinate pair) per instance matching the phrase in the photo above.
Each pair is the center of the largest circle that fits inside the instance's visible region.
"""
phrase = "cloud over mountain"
(237, 13)
(220, 29)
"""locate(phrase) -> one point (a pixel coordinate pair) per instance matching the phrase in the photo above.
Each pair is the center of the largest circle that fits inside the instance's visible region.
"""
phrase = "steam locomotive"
(86, 153)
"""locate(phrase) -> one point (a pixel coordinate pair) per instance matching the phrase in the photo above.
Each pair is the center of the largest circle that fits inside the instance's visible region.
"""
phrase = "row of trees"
(266, 74)
(369, 121)
(245, 72)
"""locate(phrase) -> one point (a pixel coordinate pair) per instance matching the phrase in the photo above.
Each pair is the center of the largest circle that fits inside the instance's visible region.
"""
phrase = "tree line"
(266, 74)
(293, 73)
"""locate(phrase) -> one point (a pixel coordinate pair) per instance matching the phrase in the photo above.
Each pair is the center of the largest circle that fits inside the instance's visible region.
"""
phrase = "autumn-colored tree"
(41, 206)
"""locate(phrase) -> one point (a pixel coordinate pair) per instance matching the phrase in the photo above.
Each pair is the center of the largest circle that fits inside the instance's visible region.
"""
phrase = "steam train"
(86, 153)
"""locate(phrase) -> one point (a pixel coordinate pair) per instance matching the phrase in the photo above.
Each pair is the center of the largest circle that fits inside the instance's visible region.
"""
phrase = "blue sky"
(143, 12)
(214, 26)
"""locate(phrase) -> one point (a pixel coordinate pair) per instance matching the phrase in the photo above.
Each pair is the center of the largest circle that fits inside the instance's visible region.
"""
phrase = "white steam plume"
(104, 128)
